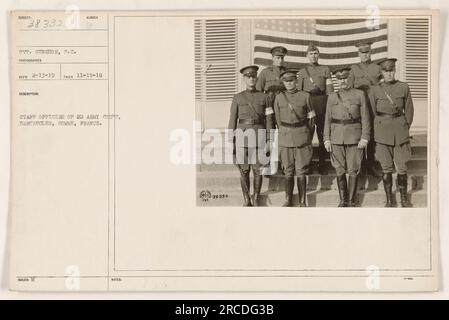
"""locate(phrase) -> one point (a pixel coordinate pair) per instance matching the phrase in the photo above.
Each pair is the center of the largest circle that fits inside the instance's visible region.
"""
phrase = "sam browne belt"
(301, 123)
(389, 115)
(346, 121)
(251, 121)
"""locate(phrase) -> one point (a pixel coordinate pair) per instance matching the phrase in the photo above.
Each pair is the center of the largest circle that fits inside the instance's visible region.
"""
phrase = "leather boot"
(302, 188)
(402, 184)
(342, 190)
(244, 183)
(388, 183)
(289, 185)
(257, 186)
(352, 189)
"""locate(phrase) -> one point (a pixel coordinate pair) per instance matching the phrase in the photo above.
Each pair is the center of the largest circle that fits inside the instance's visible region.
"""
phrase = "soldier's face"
(250, 80)
(290, 84)
(365, 56)
(388, 75)
(278, 61)
(313, 56)
(343, 83)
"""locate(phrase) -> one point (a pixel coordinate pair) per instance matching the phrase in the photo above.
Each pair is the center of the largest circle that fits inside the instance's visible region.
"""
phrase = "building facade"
(223, 46)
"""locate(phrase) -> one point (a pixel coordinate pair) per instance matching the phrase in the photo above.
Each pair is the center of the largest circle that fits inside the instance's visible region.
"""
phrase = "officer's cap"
(288, 75)
(278, 51)
(364, 46)
(312, 47)
(249, 70)
(387, 64)
(342, 73)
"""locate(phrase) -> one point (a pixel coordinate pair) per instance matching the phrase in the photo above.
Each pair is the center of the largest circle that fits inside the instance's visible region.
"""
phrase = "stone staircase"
(219, 184)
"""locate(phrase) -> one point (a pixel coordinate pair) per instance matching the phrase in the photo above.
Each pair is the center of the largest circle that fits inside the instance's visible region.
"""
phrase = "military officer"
(392, 105)
(346, 134)
(364, 76)
(269, 82)
(316, 80)
(269, 79)
(250, 112)
(294, 116)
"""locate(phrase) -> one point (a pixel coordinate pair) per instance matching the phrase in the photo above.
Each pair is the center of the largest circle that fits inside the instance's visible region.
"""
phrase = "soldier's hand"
(328, 146)
(362, 144)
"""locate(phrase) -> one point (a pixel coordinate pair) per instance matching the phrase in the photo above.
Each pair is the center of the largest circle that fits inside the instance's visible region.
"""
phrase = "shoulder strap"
(366, 74)
(252, 108)
(290, 106)
(340, 100)
(390, 99)
(309, 76)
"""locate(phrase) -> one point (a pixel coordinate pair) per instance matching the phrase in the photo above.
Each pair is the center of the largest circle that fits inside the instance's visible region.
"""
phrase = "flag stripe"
(305, 42)
(326, 50)
(333, 64)
(348, 31)
(338, 21)
(293, 53)
(364, 24)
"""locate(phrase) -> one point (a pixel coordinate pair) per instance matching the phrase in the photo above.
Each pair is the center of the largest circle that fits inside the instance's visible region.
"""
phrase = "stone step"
(416, 163)
(417, 149)
(330, 198)
(230, 180)
(418, 160)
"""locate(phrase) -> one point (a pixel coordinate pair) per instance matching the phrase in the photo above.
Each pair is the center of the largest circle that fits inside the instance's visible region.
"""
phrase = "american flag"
(335, 39)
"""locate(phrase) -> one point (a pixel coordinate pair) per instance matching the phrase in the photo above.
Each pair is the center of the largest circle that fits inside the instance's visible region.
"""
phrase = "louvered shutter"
(417, 56)
(215, 59)
(199, 89)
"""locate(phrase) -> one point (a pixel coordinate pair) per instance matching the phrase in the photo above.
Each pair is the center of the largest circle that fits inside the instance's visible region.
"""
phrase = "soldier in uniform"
(294, 117)
(316, 80)
(392, 105)
(250, 110)
(269, 79)
(364, 76)
(346, 134)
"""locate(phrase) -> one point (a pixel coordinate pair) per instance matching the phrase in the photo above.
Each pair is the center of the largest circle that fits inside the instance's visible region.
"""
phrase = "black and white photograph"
(142, 142)
(314, 111)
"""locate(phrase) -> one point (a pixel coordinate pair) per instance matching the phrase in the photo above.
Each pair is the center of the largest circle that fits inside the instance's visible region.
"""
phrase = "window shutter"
(417, 56)
(215, 59)
(199, 53)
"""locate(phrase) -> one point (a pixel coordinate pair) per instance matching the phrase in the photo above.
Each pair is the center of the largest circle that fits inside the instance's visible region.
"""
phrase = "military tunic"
(347, 122)
(269, 80)
(251, 117)
(364, 76)
(391, 124)
(294, 133)
(316, 80)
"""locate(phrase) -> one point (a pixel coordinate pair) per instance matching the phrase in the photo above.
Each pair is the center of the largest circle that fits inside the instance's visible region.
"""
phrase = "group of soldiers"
(367, 119)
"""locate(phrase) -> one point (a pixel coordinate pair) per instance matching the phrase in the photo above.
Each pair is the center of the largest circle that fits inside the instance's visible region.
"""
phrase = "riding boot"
(342, 190)
(402, 184)
(289, 185)
(257, 186)
(388, 183)
(352, 189)
(244, 183)
(302, 188)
